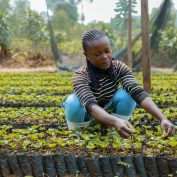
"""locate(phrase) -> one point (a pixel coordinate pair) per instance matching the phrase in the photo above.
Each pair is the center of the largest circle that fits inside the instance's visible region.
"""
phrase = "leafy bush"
(71, 47)
(168, 43)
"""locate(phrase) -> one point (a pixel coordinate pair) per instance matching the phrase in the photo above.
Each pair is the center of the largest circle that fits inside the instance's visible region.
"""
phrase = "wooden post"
(146, 56)
(129, 47)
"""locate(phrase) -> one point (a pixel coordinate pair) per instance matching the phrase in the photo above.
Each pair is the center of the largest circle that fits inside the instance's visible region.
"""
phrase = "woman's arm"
(141, 97)
(167, 127)
(123, 127)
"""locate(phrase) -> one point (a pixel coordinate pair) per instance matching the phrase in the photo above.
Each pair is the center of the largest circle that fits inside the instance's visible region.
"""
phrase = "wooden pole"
(129, 47)
(146, 56)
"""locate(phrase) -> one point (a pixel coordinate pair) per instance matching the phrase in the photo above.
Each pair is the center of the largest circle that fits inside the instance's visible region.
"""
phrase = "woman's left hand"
(167, 127)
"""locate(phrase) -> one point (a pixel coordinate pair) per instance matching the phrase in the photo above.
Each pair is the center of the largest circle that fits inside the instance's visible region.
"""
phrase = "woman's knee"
(74, 111)
(124, 103)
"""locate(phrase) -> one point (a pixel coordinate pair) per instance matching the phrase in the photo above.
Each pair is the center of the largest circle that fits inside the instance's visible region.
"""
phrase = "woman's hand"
(124, 128)
(167, 127)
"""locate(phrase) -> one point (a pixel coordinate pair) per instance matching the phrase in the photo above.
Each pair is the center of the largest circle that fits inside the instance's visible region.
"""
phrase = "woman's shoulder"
(82, 70)
(118, 64)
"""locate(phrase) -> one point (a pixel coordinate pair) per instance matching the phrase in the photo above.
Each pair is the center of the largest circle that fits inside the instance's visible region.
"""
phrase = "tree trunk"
(3, 52)
(53, 42)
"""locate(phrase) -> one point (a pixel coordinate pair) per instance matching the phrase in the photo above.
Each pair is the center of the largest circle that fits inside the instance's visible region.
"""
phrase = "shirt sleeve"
(82, 89)
(130, 84)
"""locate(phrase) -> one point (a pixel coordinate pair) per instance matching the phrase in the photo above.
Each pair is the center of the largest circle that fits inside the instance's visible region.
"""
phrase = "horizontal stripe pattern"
(124, 76)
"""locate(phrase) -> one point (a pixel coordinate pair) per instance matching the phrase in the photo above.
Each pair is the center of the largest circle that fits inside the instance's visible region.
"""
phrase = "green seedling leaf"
(25, 143)
(52, 145)
(124, 164)
(91, 145)
(164, 135)
(116, 146)
(85, 137)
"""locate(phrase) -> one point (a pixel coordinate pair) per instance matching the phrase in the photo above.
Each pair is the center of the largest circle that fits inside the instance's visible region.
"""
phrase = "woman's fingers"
(124, 128)
(124, 134)
(167, 127)
(171, 130)
(125, 131)
(168, 130)
(131, 128)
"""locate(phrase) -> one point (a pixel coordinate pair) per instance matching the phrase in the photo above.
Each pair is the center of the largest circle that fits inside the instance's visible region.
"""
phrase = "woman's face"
(99, 53)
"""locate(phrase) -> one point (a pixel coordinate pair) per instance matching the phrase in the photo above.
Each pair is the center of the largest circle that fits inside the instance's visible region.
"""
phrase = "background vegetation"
(28, 34)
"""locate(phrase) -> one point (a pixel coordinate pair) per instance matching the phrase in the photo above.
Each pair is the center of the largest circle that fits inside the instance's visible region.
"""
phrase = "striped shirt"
(108, 87)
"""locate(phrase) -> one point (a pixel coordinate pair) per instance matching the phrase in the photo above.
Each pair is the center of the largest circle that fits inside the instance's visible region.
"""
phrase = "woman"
(96, 90)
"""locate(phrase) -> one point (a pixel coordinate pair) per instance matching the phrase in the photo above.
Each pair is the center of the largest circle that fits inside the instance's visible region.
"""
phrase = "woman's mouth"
(106, 63)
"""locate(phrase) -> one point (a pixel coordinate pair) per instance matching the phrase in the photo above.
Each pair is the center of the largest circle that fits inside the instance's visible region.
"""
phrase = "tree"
(4, 36)
(121, 18)
(168, 42)
(20, 6)
(4, 6)
(64, 15)
(33, 27)
(82, 18)
(124, 10)
(53, 4)
(19, 12)
(53, 42)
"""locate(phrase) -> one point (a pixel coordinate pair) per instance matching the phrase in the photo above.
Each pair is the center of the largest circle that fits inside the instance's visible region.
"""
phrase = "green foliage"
(120, 21)
(17, 17)
(168, 43)
(71, 47)
(4, 29)
(71, 9)
(122, 10)
(34, 27)
(124, 164)
(20, 6)
(64, 15)
(53, 4)
(4, 6)
(42, 136)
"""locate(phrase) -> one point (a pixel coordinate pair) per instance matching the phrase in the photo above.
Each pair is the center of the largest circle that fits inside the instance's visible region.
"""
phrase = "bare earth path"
(54, 69)
(40, 69)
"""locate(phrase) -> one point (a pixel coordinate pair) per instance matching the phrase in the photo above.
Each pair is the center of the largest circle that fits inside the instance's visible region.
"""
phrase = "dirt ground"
(39, 69)
(21, 63)
(54, 69)
(39, 64)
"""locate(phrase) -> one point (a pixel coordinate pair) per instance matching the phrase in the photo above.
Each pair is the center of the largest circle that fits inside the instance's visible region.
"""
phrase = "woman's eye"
(97, 54)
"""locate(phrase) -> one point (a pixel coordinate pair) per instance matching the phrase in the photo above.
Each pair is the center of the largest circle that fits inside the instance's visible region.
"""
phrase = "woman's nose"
(104, 56)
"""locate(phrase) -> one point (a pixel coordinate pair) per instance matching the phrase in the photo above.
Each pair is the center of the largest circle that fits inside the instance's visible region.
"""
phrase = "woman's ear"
(85, 53)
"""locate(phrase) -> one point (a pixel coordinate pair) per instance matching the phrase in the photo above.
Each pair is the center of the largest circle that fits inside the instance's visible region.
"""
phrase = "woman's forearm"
(152, 108)
(101, 115)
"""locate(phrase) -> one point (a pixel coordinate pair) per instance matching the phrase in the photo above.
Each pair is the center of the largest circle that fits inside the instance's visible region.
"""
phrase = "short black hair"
(91, 35)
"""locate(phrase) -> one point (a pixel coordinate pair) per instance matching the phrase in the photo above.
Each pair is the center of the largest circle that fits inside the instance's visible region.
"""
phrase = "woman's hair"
(91, 35)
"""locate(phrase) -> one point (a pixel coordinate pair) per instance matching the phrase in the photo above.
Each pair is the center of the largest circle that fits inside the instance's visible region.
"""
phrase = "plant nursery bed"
(63, 165)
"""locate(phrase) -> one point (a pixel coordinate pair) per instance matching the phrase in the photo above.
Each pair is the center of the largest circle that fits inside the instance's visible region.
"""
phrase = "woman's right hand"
(124, 128)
